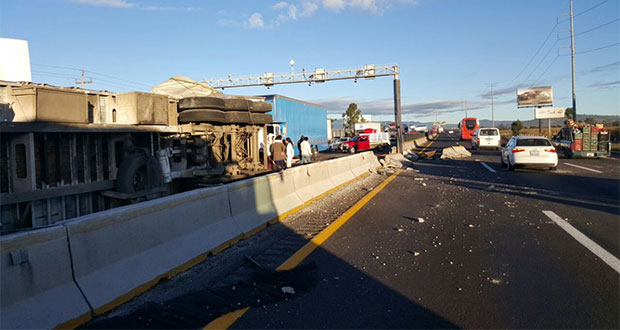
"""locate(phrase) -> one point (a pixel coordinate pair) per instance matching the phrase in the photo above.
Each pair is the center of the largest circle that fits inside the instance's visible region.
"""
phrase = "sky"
(449, 52)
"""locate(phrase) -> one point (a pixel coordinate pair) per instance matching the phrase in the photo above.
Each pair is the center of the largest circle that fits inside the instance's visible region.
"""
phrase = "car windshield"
(488, 132)
(343, 140)
(355, 138)
(470, 124)
(533, 143)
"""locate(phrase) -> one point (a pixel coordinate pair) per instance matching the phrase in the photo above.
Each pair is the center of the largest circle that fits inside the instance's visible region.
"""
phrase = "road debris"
(288, 289)
(421, 220)
(455, 153)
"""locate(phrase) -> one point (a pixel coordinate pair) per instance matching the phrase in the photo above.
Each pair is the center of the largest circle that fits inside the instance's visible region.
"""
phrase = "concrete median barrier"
(363, 162)
(122, 252)
(251, 202)
(283, 193)
(339, 170)
(312, 180)
(37, 289)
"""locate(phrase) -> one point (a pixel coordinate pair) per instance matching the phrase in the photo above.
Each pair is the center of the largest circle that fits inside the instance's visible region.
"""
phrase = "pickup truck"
(583, 142)
(366, 141)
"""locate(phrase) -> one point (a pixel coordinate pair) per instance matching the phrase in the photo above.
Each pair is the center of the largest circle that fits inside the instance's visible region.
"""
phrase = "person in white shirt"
(306, 151)
(290, 152)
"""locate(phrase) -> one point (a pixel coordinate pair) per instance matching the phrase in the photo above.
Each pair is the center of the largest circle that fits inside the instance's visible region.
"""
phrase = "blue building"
(297, 118)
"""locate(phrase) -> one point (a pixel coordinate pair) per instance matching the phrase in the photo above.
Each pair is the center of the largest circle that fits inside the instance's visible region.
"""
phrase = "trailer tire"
(238, 104)
(352, 150)
(202, 115)
(260, 106)
(139, 172)
(201, 102)
(241, 117)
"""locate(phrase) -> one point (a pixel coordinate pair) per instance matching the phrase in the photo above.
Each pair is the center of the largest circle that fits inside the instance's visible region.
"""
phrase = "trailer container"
(297, 118)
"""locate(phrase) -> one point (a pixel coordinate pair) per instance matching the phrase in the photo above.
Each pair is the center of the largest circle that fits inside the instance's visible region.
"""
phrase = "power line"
(592, 29)
(548, 67)
(595, 49)
(92, 73)
(536, 54)
(585, 11)
(539, 63)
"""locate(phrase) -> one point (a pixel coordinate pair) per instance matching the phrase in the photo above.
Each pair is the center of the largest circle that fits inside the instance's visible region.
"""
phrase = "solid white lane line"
(487, 167)
(583, 168)
(607, 257)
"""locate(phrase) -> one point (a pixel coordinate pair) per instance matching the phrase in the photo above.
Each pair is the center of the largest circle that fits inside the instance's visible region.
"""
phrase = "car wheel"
(352, 150)
(553, 168)
(511, 168)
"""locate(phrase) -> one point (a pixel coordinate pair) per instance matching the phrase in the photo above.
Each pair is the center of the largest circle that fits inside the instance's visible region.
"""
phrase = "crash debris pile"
(457, 152)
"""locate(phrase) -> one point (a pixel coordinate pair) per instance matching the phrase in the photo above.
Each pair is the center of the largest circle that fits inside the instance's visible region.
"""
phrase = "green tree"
(590, 121)
(352, 116)
(569, 113)
(516, 126)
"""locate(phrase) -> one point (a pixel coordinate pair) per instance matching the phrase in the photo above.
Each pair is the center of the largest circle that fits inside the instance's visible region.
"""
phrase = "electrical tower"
(367, 72)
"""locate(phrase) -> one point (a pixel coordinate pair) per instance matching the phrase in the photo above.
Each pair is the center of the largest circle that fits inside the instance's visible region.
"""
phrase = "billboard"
(548, 113)
(534, 96)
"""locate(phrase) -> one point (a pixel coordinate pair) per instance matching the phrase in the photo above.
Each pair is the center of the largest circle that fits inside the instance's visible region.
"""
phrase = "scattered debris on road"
(455, 153)
(288, 289)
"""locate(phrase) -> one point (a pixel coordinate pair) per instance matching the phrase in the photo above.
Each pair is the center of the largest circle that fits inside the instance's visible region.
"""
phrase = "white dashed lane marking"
(583, 168)
(487, 167)
(607, 257)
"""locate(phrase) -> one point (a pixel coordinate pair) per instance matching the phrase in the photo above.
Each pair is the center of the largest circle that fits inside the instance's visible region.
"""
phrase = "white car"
(486, 138)
(529, 151)
(335, 145)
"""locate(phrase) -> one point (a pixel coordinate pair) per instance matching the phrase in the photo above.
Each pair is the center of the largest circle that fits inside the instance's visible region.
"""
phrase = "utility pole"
(572, 56)
(492, 112)
(397, 114)
(83, 81)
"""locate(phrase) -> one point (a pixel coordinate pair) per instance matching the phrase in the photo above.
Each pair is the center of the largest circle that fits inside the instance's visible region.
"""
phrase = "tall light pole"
(572, 56)
(492, 112)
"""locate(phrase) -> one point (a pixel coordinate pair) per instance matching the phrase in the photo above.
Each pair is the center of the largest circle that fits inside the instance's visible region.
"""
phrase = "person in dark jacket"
(278, 153)
(301, 139)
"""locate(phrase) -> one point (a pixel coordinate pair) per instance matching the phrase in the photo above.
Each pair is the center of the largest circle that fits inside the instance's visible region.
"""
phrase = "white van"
(486, 138)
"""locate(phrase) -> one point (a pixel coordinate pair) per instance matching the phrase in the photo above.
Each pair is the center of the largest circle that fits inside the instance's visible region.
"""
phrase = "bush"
(516, 126)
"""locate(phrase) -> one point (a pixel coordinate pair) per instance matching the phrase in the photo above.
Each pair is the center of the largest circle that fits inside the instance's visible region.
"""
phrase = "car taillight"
(550, 150)
(478, 140)
(514, 151)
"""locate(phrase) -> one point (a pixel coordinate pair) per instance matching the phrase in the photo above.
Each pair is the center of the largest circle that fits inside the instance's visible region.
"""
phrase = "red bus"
(468, 126)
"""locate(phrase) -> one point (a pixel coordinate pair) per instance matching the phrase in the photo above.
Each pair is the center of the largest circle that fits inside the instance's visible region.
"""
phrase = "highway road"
(495, 249)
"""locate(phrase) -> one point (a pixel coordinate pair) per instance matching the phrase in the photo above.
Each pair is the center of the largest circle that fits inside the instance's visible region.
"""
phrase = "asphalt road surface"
(486, 255)
(494, 251)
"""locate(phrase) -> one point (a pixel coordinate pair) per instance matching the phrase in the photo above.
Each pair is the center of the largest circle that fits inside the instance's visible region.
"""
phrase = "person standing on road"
(306, 151)
(278, 153)
(301, 139)
(290, 152)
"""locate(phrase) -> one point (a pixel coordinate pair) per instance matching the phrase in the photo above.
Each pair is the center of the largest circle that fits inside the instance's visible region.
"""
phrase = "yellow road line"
(319, 239)
(227, 320)
(428, 145)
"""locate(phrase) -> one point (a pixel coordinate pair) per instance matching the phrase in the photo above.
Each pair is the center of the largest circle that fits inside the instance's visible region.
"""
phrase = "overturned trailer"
(67, 152)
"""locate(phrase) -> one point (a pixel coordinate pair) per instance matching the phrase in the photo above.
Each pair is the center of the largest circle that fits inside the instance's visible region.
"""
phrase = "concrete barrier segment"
(251, 204)
(311, 180)
(339, 170)
(283, 193)
(122, 252)
(37, 289)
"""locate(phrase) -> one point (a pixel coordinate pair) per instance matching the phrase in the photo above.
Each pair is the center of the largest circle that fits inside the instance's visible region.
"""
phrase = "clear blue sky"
(448, 50)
